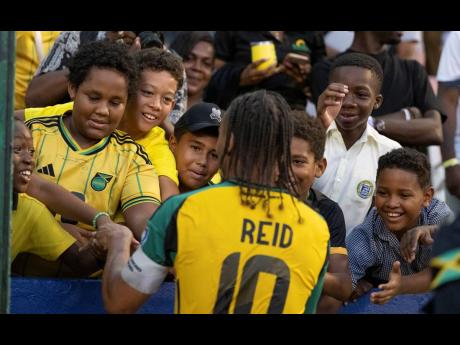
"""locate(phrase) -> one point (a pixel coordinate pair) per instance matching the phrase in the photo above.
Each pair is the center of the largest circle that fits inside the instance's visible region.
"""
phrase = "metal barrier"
(78, 296)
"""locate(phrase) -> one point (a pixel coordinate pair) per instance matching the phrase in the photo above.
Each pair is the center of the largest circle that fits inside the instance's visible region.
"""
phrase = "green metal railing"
(7, 64)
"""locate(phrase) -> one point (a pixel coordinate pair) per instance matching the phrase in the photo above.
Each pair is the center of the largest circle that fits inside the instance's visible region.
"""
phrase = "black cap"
(199, 116)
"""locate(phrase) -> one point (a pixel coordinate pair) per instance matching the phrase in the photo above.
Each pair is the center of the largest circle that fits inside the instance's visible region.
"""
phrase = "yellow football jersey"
(229, 258)
(36, 231)
(154, 143)
(114, 173)
(28, 60)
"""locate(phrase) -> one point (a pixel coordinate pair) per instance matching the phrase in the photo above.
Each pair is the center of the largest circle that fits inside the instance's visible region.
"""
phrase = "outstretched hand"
(390, 289)
(412, 238)
(106, 235)
(252, 76)
(330, 103)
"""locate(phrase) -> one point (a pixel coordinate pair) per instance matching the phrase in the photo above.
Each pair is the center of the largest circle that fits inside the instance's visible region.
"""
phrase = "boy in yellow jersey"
(264, 251)
(34, 228)
(82, 150)
(194, 145)
(160, 76)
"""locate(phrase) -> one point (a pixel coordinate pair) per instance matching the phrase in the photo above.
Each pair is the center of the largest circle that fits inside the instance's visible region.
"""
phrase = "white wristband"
(406, 113)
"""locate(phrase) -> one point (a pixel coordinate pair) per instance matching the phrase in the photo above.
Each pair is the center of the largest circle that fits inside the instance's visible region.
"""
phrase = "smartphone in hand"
(297, 59)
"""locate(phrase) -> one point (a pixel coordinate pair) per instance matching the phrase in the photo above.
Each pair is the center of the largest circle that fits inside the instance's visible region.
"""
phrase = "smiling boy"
(404, 200)
(194, 145)
(352, 146)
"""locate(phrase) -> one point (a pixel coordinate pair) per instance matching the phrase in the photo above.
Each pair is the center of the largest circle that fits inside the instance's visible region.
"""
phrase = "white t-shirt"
(339, 40)
(349, 178)
(449, 68)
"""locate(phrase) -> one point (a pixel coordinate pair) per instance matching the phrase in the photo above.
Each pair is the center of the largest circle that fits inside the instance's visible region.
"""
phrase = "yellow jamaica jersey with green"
(36, 231)
(154, 143)
(115, 173)
(229, 258)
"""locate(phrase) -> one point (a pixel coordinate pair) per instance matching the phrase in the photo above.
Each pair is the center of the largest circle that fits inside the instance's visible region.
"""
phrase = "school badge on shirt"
(365, 189)
(100, 181)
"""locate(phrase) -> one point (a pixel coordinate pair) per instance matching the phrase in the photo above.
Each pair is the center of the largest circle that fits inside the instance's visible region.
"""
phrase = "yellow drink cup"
(264, 50)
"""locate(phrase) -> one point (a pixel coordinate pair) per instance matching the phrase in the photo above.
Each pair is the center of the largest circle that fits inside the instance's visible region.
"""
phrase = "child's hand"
(362, 288)
(330, 102)
(82, 235)
(411, 239)
(390, 289)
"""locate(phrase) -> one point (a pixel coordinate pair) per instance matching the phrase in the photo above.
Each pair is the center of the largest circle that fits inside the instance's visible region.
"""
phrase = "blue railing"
(67, 296)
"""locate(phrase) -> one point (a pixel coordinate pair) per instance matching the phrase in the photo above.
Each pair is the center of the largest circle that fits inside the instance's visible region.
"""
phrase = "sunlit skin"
(151, 104)
(400, 198)
(358, 103)
(304, 165)
(198, 67)
(196, 159)
(23, 157)
(99, 104)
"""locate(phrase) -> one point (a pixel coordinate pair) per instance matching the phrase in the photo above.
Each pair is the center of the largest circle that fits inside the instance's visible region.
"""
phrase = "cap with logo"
(199, 116)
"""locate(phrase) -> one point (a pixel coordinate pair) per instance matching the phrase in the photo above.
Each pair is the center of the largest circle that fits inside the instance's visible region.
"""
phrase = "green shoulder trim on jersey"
(121, 138)
(47, 121)
(66, 135)
(153, 242)
(312, 302)
(448, 265)
(161, 232)
(139, 200)
(74, 145)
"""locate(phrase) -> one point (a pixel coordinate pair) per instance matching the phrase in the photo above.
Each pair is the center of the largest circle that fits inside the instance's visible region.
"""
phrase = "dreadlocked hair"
(262, 130)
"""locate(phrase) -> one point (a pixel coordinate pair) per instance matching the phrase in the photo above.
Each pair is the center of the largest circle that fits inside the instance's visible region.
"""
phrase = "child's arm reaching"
(398, 285)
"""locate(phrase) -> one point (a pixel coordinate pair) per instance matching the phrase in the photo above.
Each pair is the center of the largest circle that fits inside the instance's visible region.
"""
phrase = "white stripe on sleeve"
(143, 274)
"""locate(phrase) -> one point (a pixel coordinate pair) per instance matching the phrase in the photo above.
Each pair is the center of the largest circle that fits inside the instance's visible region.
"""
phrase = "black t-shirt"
(405, 84)
(333, 215)
(234, 47)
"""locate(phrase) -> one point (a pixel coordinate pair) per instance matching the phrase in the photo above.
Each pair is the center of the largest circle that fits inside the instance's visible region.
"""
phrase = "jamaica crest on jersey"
(100, 181)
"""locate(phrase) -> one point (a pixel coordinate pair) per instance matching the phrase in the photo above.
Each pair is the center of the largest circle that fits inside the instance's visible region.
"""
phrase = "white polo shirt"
(349, 178)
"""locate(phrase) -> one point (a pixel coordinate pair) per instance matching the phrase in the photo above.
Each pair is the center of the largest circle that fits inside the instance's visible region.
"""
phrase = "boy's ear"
(172, 143)
(320, 167)
(428, 196)
(72, 91)
(378, 101)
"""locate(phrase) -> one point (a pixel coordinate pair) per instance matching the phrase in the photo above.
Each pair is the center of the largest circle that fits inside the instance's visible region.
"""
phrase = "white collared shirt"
(349, 178)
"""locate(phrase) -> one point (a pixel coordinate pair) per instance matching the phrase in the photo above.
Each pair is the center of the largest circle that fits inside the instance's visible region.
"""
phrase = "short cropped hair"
(360, 60)
(309, 129)
(407, 159)
(160, 60)
(106, 55)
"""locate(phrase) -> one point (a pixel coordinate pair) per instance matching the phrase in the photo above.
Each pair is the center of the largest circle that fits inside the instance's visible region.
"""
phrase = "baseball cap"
(199, 116)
